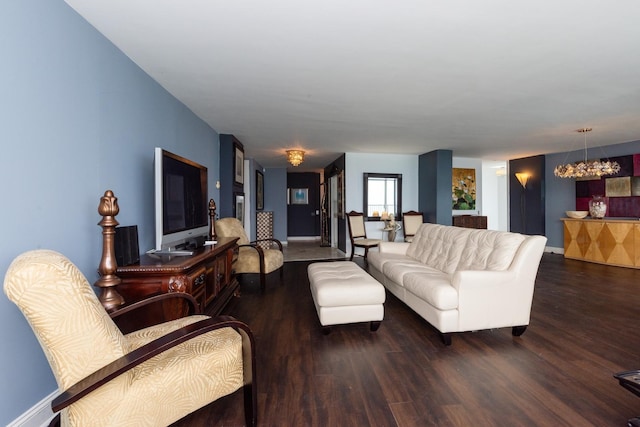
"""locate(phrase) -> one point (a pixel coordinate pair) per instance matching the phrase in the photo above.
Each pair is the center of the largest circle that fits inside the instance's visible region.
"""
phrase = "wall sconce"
(295, 157)
(523, 178)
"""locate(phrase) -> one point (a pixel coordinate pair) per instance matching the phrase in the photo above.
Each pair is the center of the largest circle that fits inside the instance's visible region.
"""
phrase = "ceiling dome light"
(295, 157)
(587, 167)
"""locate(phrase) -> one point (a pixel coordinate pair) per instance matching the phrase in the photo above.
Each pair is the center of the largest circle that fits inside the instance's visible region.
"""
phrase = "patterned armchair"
(260, 256)
(151, 377)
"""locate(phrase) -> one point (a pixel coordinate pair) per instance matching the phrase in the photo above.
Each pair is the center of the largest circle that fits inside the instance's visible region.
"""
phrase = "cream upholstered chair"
(411, 221)
(259, 256)
(358, 234)
(151, 377)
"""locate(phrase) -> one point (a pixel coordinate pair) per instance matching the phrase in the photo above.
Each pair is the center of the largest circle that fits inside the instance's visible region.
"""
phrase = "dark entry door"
(303, 211)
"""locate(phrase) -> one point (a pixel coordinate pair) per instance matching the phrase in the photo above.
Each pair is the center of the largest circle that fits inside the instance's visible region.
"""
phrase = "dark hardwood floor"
(584, 328)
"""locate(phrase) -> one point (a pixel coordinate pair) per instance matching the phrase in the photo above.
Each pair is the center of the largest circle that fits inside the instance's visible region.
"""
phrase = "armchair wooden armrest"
(276, 241)
(172, 339)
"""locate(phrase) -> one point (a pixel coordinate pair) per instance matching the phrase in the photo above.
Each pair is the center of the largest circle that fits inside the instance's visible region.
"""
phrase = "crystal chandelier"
(587, 167)
(295, 157)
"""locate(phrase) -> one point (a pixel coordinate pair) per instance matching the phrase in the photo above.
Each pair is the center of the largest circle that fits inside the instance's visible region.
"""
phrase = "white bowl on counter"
(577, 214)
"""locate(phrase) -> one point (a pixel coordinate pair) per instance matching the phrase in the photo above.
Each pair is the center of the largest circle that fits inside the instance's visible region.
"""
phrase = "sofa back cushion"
(438, 246)
(451, 249)
(489, 250)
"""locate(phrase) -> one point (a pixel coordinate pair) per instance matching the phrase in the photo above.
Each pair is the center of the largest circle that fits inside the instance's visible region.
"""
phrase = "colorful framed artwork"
(463, 189)
(299, 196)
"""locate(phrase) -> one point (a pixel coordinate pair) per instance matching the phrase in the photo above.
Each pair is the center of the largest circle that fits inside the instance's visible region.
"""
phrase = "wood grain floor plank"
(583, 329)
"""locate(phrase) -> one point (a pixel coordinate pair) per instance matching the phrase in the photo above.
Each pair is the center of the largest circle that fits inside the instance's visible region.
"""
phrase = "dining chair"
(411, 221)
(358, 234)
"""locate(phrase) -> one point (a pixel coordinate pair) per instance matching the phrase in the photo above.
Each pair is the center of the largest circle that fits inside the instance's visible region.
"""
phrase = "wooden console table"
(206, 275)
(604, 241)
(470, 221)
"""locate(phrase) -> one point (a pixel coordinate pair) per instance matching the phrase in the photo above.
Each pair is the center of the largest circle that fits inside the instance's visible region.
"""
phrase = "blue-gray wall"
(275, 200)
(78, 118)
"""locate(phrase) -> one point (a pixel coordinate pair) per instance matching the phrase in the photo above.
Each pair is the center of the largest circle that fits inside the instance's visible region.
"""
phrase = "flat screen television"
(181, 201)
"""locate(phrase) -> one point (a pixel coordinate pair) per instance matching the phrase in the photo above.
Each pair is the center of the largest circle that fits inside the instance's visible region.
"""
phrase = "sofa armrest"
(393, 247)
(491, 299)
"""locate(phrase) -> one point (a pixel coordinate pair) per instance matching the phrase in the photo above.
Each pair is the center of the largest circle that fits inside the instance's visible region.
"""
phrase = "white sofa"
(462, 279)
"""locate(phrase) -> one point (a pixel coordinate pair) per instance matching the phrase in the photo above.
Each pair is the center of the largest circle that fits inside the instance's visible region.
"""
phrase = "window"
(382, 194)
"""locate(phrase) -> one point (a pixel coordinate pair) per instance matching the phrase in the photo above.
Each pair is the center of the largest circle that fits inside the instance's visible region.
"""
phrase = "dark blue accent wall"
(434, 191)
(527, 205)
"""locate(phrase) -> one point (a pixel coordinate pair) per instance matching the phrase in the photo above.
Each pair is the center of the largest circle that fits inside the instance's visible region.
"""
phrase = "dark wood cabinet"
(470, 221)
(207, 275)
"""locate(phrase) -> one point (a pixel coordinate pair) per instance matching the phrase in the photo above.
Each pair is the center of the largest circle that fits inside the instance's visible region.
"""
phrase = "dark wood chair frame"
(162, 344)
(354, 239)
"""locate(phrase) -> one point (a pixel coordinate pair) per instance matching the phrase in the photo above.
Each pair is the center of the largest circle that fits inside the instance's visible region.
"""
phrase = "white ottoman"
(345, 293)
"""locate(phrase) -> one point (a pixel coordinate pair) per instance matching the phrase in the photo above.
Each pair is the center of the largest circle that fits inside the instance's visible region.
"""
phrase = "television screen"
(181, 199)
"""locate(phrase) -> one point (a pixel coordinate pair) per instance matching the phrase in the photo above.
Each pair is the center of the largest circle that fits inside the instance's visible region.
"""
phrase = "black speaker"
(126, 245)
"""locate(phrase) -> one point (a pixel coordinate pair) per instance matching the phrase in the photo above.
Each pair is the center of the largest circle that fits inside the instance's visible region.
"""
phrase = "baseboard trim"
(303, 238)
(39, 415)
(554, 250)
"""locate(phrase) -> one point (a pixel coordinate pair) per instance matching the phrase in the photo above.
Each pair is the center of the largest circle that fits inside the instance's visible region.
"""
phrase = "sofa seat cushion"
(433, 287)
(396, 270)
(379, 259)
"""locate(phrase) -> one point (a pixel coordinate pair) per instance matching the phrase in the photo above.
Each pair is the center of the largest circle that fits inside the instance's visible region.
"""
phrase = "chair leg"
(250, 405)
(353, 249)
(516, 331)
(55, 421)
(250, 390)
(263, 281)
(446, 338)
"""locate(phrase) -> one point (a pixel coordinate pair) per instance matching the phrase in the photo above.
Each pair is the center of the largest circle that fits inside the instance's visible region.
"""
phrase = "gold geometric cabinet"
(605, 241)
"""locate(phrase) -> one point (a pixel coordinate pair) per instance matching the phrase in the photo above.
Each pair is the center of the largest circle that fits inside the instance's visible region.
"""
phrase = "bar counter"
(611, 241)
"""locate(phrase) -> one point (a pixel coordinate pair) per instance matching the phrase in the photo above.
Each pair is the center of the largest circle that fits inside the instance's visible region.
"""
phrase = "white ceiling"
(495, 79)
